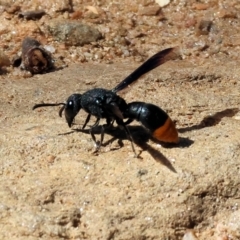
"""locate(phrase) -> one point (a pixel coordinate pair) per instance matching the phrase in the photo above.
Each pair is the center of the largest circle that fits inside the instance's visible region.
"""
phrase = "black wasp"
(103, 103)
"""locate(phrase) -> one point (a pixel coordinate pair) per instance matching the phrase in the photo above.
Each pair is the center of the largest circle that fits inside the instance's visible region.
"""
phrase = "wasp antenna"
(47, 105)
(61, 110)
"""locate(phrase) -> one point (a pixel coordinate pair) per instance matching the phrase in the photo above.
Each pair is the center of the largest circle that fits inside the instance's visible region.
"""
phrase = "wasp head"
(72, 107)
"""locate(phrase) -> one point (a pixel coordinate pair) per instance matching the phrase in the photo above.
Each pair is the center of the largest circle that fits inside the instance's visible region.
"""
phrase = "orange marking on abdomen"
(167, 132)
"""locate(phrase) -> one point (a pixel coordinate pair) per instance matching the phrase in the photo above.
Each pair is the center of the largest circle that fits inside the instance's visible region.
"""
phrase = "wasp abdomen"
(154, 119)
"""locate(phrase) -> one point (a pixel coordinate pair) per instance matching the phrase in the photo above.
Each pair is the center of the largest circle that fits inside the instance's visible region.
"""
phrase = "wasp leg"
(128, 121)
(104, 126)
(131, 140)
(99, 144)
(92, 135)
(121, 123)
(87, 120)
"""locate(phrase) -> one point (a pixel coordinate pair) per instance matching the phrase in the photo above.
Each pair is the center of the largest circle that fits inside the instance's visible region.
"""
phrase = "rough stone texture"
(73, 33)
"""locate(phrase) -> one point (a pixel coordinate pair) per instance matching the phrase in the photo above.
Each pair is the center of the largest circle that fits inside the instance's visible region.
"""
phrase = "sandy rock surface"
(52, 184)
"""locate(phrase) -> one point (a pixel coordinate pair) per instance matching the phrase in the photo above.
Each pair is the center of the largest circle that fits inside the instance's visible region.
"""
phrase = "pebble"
(190, 22)
(98, 55)
(51, 158)
(226, 13)
(204, 27)
(50, 48)
(32, 15)
(189, 235)
(163, 3)
(150, 10)
(73, 33)
(200, 6)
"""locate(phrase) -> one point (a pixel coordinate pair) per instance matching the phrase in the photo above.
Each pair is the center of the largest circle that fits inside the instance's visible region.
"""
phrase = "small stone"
(73, 33)
(204, 27)
(51, 158)
(77, 14)
(92, 9)
(163, 3)
(65, 15)
(141, 172)
(226, 13)
(189, 235)
(26, 74)
(150, 11)
(200, 6)
(32, 15)
(190, 22)
(98, 55)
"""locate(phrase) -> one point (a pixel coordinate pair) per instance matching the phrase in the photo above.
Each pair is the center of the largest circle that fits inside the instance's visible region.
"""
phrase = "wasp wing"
(115, 110)
(153, 62)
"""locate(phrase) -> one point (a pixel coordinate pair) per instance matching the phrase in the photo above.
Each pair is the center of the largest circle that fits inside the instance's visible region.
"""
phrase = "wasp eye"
(70, 103)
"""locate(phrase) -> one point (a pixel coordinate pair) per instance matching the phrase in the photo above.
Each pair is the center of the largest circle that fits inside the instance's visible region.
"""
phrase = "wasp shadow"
(211, 120)
(140, 137)
(184, 142)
